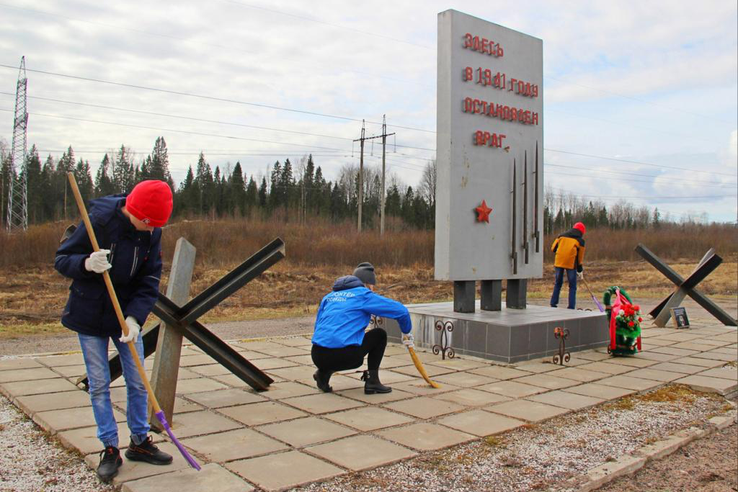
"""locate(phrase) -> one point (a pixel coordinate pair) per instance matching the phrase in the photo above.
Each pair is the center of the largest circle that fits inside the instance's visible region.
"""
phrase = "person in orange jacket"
(569, 249)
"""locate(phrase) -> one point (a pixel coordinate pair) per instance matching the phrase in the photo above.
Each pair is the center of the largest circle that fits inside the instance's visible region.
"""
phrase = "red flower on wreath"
(631, 324)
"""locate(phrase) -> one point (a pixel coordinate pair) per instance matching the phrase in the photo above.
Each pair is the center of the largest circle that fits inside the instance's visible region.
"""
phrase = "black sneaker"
(110, 461)
(321, 379)
(148, 452)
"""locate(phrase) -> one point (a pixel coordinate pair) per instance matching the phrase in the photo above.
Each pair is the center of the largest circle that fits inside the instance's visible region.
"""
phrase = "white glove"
(580, 275)
(408, 340)
(133, 330)
(98, 261)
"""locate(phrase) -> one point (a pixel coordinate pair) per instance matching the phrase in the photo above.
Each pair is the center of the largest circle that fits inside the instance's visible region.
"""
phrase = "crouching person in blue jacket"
(340, 341)
(128, 231)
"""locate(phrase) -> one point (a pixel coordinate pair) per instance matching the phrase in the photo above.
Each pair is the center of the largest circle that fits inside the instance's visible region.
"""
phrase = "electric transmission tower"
(17, 187)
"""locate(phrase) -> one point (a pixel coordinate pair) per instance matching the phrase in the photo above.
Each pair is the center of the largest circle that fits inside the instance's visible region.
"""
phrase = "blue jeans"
(95, 353)
(571, 276)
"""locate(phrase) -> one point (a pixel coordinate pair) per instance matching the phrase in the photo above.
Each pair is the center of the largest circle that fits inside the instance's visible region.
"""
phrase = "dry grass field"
(32, 294)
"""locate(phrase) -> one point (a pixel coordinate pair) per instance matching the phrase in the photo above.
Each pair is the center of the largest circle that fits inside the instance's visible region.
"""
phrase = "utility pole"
(17, 212)
(384, 191)
(383, 136)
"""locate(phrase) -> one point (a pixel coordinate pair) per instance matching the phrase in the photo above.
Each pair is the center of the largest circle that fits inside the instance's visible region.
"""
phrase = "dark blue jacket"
(344, 314)
(136, 260)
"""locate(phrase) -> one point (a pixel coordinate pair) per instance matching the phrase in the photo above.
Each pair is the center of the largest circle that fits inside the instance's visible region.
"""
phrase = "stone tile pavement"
(292, 434)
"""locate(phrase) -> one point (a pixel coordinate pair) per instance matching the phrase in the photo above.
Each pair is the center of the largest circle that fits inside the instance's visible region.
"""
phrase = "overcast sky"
(652, 83)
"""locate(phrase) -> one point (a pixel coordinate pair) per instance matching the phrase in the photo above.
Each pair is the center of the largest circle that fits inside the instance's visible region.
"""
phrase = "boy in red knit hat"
(569, 249)
(128, 229)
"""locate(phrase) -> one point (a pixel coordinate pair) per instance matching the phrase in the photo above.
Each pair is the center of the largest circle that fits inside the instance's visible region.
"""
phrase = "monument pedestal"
(508, 335)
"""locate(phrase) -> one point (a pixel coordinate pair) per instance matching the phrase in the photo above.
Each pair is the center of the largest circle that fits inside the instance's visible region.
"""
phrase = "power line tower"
(17, 188)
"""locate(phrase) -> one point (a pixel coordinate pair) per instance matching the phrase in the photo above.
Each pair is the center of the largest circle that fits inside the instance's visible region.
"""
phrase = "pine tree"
(263, 197)
(46, 188)
(237, 191)
(204, 185)
(187, 196)
(103, 182)
(275, 194)
(84, 180)
(124, 173)
(65, 207)
(33, 184)
(251, 197)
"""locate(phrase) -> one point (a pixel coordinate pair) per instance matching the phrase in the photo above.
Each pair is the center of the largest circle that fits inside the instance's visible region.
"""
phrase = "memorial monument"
(489, 200)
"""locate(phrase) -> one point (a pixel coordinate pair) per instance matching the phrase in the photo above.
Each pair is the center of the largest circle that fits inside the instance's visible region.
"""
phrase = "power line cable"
(626, 173)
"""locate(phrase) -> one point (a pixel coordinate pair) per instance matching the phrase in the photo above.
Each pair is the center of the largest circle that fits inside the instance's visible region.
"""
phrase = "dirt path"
(707, 465)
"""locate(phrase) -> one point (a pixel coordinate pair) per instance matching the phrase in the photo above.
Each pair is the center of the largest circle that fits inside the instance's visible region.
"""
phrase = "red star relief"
(483, 212)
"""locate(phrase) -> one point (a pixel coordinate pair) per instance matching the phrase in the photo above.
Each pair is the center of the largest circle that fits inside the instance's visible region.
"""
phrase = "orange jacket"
(569, 249)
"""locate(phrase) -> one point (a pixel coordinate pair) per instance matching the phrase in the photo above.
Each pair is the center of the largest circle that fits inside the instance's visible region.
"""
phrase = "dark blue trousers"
(571, 276)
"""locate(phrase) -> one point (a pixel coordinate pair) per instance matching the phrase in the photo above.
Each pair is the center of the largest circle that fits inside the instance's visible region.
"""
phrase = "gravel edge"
(629, 464)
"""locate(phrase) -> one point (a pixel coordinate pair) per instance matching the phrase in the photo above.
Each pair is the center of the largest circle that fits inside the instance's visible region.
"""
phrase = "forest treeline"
(289, 191)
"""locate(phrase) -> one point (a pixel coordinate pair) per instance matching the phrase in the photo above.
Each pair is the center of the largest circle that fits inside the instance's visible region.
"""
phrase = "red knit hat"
(580, 227)
(150, 202)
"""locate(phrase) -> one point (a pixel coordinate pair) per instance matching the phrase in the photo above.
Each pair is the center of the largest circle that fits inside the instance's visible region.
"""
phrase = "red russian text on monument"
(499, 80)
(483, 45)
(507, 113)
(488, 139)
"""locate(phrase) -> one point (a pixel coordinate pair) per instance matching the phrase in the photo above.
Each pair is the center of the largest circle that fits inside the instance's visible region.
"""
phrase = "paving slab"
(459, 364)
(500, 372)
(196, 360)
(401, 360)
(133, 470)
(531, 411)
(426, 437)
(727, 350)
(299, 341)
(630, 383)
(537, 367)
(715, 355)
(631, 361)
(705, 363)
(226, 398)
(470, 397)
(512, 389)
(234, 445)
(607, 367)
(725, 372)
(289, 389)
(275, 363)
(361, 452)
(694, 345)
(368, 419)
(211, 477)
(592, 355)
(464, 379)
(421, 388)
(261, 413)
(341, 383)
(295, 373)
(27, 375)
(54, 401)
(547, 381)
(54, 421)
(199, 385)
(600, 391)
(673, 351)
(649, 355)
(675, 366)
(281, 471)
(72, 359)
(564, 399)
(322, 403)
(581, 374)
(72, 372)
(85, 440)
(282, 350)
(306, 431)
(663, 376)
(211, 370)
(183, 406)
(13, 364)
(649, 343)
(304, 360)
(710, 384)
(424, 407)
(480, 423)
(430, 369)
(731, 337)
(198, 423)
(379, 398)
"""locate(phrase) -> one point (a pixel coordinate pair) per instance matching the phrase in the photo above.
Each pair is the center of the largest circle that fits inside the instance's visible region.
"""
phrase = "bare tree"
(428, 181)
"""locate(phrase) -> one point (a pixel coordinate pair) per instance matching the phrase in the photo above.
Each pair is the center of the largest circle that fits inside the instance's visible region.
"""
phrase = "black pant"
(351, 357)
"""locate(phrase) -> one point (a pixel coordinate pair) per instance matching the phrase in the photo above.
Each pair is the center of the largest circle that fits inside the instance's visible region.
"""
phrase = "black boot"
(148, 452)
(110, 461)
(372, 384)
(322, 378)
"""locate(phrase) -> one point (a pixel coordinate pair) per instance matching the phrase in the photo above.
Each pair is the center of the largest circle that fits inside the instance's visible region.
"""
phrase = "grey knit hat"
(365, 272)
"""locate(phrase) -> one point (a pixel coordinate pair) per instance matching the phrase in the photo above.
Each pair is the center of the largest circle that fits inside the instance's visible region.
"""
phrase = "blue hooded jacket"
(136, 259)
(345, 313)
